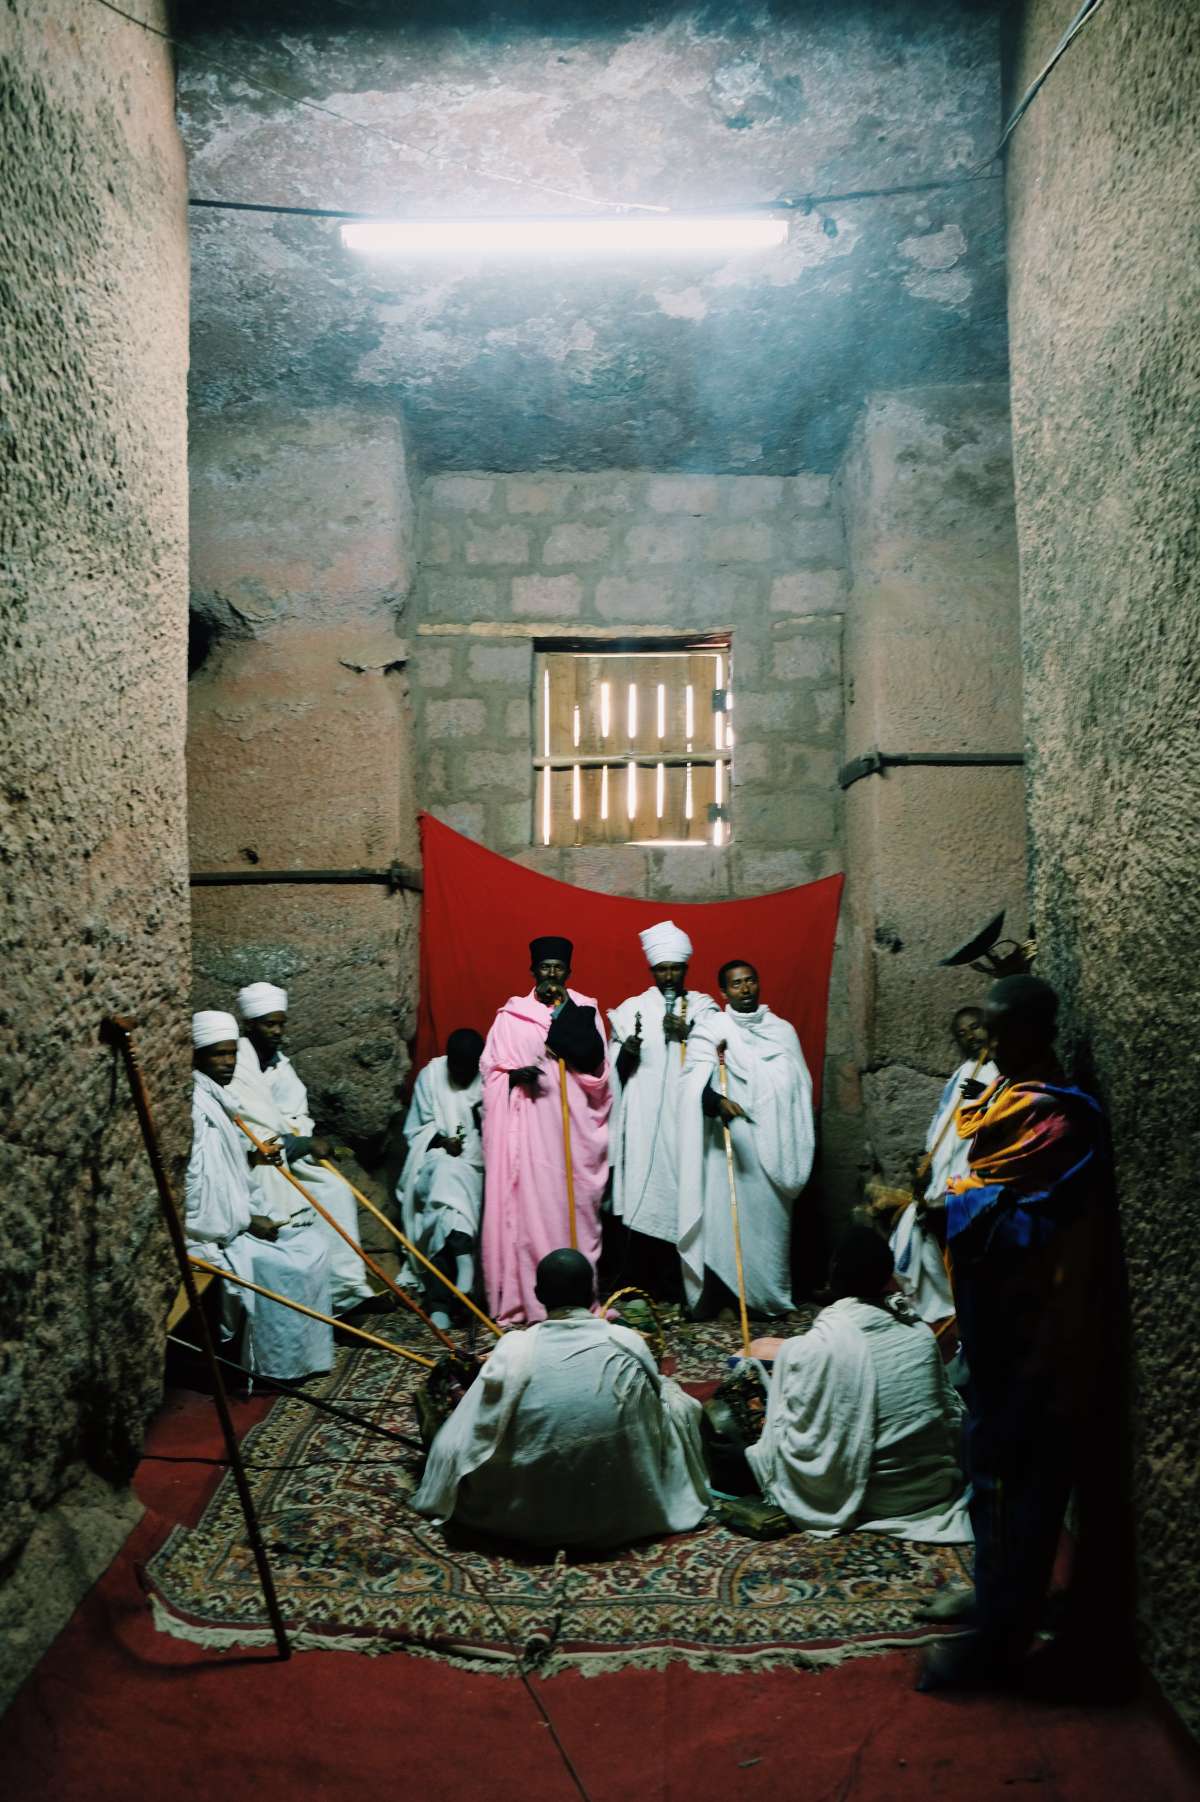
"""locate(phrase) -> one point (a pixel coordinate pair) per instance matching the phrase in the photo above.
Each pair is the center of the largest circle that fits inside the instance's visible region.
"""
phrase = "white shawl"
(453, 1183)
(773, 1152)
(643, 1134)
(569, 1436)
(861, 1429)
(274, 1103)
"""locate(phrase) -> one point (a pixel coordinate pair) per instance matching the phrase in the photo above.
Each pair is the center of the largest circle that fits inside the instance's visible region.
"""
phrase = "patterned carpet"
(356, 1569)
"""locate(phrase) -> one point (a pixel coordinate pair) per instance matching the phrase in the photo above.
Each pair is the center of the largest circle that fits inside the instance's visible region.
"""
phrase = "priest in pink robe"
(534, 1039)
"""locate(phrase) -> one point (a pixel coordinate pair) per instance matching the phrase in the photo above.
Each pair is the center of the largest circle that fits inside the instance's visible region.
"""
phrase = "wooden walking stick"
(410, 1248)
(299, 1307)
(733, 1208)
(562, 1089)
(338, 1228)
(117, 1030)
(925, 1164)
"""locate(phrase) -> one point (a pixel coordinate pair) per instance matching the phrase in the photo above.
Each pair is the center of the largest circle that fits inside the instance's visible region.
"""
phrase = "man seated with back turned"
(569, 1436)
(863, 1424)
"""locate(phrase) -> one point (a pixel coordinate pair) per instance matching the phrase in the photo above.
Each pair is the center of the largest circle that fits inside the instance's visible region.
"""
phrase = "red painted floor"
(119, 1713)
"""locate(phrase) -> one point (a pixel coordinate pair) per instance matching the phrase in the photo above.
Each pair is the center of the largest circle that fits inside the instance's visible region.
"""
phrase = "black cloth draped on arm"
(575, 1037)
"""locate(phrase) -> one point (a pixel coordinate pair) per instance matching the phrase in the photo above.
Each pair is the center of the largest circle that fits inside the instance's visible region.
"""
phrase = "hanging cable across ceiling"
(800, 202)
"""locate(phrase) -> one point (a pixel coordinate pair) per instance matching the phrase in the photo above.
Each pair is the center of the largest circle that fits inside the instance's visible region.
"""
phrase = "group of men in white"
(570, 1435)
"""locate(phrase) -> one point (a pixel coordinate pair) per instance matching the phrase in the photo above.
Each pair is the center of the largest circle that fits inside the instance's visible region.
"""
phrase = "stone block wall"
(505, 560)
(1103, 305)
(93, 542)
(508, 559)
(298, 739)
(932, 664)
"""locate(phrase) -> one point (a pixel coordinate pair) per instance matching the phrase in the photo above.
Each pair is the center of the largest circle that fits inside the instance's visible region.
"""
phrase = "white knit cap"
(665, 944)
(261, 998)
(212, 1028)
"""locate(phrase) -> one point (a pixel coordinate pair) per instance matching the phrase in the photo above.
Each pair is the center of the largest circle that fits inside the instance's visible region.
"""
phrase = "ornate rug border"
(589, 1663)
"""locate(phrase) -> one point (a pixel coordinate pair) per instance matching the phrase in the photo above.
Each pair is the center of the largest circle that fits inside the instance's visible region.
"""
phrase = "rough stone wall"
(1104, 301)
(93, 342)
(932, 664)
(505, 559)
(297, 739)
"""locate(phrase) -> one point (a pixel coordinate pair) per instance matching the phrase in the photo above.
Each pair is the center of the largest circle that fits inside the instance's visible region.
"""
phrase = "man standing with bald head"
(651, 1032)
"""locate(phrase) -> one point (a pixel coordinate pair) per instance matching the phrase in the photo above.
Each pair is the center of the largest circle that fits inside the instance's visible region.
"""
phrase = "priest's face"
(1017, 1040)
(463, 1067)
(670, 976)
(968, 1031)
(550, 978)
(217, 1061)
(266, 1033)
(740, 988)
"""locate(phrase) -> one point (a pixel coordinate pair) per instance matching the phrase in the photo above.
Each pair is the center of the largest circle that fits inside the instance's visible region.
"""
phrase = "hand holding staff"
(340, 1230)
(299, 1307)
(412, 1251)
(733, 1208)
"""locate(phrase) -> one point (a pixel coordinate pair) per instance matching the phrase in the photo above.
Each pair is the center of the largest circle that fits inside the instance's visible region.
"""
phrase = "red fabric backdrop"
(481, 910)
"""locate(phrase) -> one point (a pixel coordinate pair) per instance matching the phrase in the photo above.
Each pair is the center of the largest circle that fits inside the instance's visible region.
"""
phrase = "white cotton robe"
(643, 1136)
(920, 1266)
(440, 1194)
(274, 1104)
(862, 1429)
(570, 1437)
(218, 1206)
(772, 1155)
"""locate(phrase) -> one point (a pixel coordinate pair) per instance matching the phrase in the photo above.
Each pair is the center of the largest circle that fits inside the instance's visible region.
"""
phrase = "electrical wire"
(803, 203)
(377, 131)
(1023, 104)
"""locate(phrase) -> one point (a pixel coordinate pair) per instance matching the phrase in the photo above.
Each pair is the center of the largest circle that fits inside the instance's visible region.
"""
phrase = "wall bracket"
(874, 763)
(396, 877)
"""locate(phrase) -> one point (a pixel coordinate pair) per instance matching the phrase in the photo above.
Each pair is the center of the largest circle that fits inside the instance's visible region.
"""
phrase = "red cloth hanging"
(480, 911)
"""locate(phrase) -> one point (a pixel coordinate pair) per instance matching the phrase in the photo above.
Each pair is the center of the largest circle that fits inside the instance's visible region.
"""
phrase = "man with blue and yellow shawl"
(1026, 1232)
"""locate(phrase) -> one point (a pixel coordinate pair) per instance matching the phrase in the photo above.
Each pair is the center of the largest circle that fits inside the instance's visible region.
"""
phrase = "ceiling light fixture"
(671, 234)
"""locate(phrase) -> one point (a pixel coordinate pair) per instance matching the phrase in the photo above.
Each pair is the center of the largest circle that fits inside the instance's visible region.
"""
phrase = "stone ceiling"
(751, 364)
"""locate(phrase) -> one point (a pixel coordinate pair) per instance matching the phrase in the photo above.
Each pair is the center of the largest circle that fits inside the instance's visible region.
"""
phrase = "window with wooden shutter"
(633, 746)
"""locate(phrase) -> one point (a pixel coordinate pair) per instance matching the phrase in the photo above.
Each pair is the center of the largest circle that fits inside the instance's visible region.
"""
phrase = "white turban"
(261, 998)
(665, 944)
(212, 1028)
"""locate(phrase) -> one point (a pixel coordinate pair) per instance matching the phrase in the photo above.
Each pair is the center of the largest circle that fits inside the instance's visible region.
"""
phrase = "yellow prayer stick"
(409, 1247)
(340, 1230)
(243, 1282)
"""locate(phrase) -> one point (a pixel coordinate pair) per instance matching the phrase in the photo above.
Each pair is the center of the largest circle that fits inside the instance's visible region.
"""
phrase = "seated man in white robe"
(920, 1266)
(650, 1039)
(769, 1112)
(223, 1225)
(441, 1185)
(569, 1436)
(863, 1425)
(269, 1096)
